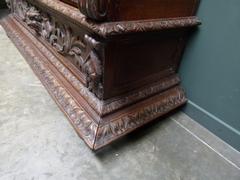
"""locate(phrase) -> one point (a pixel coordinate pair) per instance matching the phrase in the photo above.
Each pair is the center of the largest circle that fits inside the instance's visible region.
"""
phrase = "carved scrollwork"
(82, 50)
(60, 38)
(95, 9)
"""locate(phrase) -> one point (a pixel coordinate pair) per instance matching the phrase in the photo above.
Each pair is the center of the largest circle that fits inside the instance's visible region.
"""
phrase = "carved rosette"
(94, 9)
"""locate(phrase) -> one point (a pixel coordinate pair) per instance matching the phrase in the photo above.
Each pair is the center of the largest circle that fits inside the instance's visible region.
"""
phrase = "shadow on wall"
(210, 70)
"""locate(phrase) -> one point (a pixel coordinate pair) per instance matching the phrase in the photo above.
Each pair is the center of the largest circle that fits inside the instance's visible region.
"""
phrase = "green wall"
(210, 70)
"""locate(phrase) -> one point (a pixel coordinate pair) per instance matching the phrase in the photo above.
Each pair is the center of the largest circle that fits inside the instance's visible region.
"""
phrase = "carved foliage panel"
(81, 50)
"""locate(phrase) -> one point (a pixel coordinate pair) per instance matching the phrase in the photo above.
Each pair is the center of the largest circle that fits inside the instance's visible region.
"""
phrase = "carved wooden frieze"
(84, 50)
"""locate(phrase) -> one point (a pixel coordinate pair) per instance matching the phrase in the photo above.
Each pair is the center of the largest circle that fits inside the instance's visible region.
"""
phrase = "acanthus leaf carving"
(92, 66)
(83, 50)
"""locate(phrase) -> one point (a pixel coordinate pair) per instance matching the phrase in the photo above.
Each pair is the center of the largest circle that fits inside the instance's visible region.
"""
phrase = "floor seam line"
(206, 144)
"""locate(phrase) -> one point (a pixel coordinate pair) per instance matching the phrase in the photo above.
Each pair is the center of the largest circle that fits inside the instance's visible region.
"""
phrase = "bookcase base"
(95, 129)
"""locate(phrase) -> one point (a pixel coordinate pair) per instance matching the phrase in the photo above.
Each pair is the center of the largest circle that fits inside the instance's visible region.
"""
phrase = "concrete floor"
(38, 143)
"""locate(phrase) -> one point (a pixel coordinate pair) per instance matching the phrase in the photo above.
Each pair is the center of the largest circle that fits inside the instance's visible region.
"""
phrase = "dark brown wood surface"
(125, 10)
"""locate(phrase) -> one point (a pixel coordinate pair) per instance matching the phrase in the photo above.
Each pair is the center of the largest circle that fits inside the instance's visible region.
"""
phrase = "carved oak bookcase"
(110, 65)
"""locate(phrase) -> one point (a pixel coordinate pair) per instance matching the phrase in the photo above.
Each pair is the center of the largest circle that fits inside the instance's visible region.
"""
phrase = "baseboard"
(214, 124)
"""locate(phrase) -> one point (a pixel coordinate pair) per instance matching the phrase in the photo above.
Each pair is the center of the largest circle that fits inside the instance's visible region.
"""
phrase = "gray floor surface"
(38, 143)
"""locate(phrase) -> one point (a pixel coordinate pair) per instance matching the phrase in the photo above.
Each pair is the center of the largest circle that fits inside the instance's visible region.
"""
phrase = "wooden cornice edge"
(110, 29)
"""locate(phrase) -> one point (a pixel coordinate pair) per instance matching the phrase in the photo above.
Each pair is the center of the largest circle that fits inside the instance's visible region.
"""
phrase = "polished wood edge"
(94, 130)
(110, 29)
